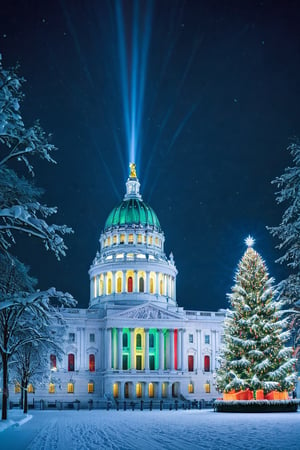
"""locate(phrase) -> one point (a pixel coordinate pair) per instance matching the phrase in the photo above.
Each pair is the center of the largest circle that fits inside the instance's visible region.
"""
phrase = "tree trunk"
(25, 396)
(4, 386)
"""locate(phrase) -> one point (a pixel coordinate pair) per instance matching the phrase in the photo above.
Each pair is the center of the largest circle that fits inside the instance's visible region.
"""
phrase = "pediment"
(148, 312)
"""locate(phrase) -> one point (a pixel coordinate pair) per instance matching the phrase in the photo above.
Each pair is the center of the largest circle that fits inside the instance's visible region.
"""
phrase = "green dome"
(132, 211)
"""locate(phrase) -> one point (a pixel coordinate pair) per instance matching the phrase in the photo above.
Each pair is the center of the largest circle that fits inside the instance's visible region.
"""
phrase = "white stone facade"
(134, 341)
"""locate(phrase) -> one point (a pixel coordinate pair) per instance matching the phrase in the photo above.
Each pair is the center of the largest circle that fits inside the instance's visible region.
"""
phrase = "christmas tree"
(254, 355)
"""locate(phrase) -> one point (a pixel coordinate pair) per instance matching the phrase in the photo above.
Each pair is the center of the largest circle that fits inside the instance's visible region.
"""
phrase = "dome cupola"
(131, 267)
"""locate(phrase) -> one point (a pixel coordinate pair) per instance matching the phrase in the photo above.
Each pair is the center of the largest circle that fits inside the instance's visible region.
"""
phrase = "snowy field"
(128, 430)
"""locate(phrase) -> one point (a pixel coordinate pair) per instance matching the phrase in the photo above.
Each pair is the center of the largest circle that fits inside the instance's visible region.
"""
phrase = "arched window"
(141, 284)
(138, 390)
(91, 387)
(101, 286)
(51, 388)
(206, 363)
(130, 239)
(161, 287)
(129, 284)
(122, 238)
(119, 284)
(17, 388)
(92, 363)
(151, 286)
(52, 362)
(71, 362)
(125, 340)
(150, 390)
(109, 286)
(70, 388)
(138, 341)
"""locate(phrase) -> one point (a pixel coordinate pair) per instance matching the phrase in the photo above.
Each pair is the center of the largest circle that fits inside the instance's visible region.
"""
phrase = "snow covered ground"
(176, 430)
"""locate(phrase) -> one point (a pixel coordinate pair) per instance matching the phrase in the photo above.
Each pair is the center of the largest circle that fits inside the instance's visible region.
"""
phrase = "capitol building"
(133, 341)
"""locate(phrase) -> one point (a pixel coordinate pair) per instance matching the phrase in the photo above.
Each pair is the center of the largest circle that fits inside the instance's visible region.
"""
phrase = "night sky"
(221, 104)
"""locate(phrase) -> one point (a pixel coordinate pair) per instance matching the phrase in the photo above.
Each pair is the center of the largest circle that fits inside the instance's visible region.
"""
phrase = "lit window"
(207, 387)
(109, 286)
(130, 239)
(122, 238)
(161, 287)
(138, 389)
(191, 388)
(156, 241)
(30, 389)
(108, 241)
(191, 338)
(130, 256)
(51, 388)
(138, 341)
(92, 363)
(140, 239)
(141, 256)
(141, 284)
(151, 286)
(125, 340)
(17, 388)
(114, 239)
(115, 390)
(119, 285)
(150, 240)
(70, 388)
(71, 362)
(129, 284)
(151, 340)
(120, 256)
(90, 387)
(151, 390)
(52, 362)
(109, 257)
(206, 339)
(206, 363)
(71, 337)
(92, 337)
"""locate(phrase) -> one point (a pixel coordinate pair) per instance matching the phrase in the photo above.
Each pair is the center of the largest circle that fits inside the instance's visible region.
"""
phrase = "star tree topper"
(249, 241)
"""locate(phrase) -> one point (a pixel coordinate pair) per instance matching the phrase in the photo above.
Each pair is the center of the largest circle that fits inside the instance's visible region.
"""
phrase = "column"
(124, 281)
(146, 348)
(108, 348)
(92, 292)
(171, 334)
(121, 390)
(159, 389)
(161, 350)
(113, 283)
(199, 364)
(132, 361)
(120, 347)
(213, 350)
(183, 358)
(179, 361)
(104, 283)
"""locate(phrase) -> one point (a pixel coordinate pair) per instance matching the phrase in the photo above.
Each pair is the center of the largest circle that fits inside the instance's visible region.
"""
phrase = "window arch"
(130, 284)
(138, 340)
(206, 363)
(71, 362)
(92, 363)
(141, 284)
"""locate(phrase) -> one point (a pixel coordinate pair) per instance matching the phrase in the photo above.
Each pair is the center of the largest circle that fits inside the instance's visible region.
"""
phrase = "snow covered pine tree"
(254, 360)
(288, 232)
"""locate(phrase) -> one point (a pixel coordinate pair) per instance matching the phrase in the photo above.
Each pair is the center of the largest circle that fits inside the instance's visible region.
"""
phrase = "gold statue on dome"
(132, 170)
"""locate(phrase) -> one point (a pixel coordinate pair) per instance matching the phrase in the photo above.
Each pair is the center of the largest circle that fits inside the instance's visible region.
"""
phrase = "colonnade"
(133, 281)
